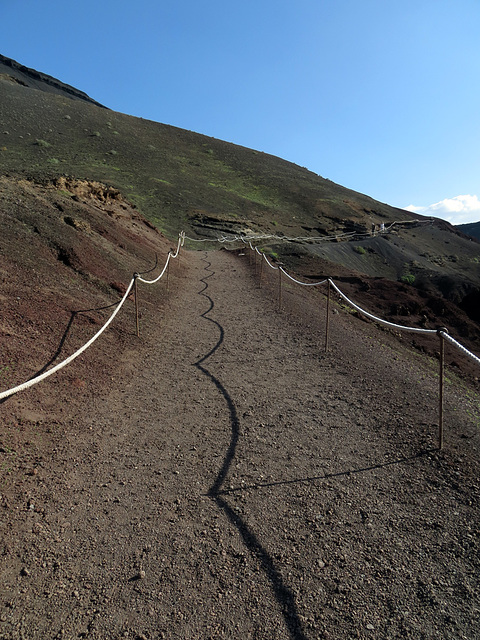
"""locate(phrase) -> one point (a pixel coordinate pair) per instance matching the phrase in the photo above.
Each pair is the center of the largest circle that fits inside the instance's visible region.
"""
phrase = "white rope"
(457, 344)
(224, 239)
(29, 383)
(304, 284)
(158, 277)
(60, 365)
(248, 239)
(272, 266)
(447, 336)
(179, 244)
(376, 318)
(347, 234)
(220, 239)
(170, 255)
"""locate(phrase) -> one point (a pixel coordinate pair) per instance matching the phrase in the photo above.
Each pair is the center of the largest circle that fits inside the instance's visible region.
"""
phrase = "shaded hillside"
(26, 77)
(183, 180)
(470, 229)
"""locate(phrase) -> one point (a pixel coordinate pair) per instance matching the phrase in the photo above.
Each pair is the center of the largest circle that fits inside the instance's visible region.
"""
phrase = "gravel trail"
(237, 482)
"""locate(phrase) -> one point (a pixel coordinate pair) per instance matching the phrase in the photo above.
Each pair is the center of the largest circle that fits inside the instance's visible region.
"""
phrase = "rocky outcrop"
(41, 81)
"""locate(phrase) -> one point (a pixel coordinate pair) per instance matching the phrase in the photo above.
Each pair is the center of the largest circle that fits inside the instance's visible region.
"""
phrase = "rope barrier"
(272, 266)
(459, 346)
(161, 273)
(376, 318)
(247, 239)
(347, 234)
(73, 356)
(442, 333)
(170, 255)
(46, 374)
(393, 325)
(201, 239)
(304, 284)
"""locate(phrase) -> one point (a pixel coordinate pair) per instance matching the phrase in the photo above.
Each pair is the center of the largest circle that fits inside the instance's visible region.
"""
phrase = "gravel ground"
(234, 481)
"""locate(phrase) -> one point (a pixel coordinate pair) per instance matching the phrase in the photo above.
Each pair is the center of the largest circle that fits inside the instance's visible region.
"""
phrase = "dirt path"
(236, 482)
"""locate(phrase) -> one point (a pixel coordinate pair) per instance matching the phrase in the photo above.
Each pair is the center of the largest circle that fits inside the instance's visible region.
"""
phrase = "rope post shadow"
(440, 332)
(327, 321)
(135, 289)
(261, 273)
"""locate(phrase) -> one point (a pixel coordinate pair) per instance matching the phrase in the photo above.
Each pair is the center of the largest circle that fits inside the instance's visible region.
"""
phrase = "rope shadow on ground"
(63, 339)
(61, 344)
(283, 594)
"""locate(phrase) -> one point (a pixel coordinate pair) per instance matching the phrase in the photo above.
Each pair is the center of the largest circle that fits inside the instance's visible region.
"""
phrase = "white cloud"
(457, 210)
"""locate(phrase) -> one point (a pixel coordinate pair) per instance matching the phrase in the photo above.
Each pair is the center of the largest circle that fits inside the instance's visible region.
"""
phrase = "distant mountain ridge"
(41, 81)
(470, 229)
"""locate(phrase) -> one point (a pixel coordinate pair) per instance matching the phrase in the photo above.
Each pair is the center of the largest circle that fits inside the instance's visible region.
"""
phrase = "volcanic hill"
(221, 475)
(56, 139)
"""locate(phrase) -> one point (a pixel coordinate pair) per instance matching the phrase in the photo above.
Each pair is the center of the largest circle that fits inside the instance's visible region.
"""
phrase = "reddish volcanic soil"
(221, 476)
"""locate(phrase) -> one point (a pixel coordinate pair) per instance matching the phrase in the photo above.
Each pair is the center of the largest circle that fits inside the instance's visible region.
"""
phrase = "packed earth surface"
(216, 465)
(223, 475)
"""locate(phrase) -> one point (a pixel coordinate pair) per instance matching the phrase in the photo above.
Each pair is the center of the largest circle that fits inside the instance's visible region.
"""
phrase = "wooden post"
(327, 322)
(279, 286)
(168, 274)
(135, 276)
(442, 384)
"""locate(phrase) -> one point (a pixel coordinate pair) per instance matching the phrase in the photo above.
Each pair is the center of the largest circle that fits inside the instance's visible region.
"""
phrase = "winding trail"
(236, 482)
(283, 594)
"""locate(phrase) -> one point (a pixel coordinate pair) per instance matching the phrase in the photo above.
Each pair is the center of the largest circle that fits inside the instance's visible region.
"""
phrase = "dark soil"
(223, 477)
(183, 181)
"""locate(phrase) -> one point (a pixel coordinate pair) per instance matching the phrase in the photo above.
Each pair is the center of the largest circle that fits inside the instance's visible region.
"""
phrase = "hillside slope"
(182, 180)
(470, 229)
(184, 483)
(63, 263)
(178, 178)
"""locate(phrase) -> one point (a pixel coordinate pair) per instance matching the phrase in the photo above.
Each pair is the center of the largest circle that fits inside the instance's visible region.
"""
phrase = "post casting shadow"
(73, 315)
(326, 476)
(61, 344)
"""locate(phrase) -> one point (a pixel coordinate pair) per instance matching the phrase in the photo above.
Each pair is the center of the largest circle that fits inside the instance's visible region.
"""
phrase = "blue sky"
(381, 96)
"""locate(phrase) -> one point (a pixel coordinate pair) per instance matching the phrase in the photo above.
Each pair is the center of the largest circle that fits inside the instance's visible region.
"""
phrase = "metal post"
(168, 274)
(441, 383)
(135, 276)
(328, 318)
